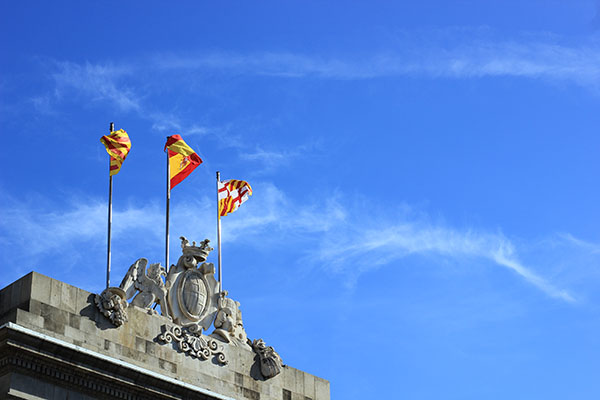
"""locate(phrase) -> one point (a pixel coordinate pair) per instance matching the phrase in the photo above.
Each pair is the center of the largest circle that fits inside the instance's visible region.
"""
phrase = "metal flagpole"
(110, 186)
(219, 233)
(168, 201)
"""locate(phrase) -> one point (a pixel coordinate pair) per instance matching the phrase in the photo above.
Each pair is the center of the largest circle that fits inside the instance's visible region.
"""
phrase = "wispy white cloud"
(342, 237)
(44, 229)
(593, 248)
(275, 211)
(288, 65)
(336, 236)
(37, 234)
(169, 122)
(469, 58)
(450, 54)
(537, 60)
(43, 104)
(120, 86)
(398, 239)
(99, 82)
(271, 159)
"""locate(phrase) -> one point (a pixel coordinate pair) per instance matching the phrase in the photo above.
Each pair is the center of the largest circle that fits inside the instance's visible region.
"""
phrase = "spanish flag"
(117, 146)
(232, 193)
(182, 159)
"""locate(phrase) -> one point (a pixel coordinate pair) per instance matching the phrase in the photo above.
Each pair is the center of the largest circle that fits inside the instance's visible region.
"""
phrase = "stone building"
(61, 342)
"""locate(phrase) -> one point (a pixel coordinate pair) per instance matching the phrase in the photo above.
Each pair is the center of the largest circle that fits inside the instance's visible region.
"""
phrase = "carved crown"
(198, 252)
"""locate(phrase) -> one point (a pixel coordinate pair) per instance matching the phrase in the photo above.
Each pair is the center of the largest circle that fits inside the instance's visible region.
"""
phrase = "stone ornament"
(146, 287)
(190, 340)
(228, 322)
(189, 297)
(192, 288)
(111, 303)
(270, 361)
(189, 294)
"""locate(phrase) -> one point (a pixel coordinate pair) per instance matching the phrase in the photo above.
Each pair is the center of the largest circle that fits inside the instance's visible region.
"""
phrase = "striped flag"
(117, 145)
(182, 159)
(232, 193)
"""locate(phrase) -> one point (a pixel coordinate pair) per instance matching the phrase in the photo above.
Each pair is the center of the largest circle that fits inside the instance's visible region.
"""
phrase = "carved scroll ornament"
(191, 341)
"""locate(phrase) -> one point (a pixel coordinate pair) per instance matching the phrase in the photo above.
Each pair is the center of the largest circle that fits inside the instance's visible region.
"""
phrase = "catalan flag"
(232, 193)
(117, 145)
(182, 159)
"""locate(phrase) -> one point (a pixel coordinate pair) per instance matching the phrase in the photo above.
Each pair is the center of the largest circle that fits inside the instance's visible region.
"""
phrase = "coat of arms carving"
(193, 290)
(189, 297)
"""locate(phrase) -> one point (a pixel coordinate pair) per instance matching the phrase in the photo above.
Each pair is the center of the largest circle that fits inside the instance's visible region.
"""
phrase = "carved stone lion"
(146, 287)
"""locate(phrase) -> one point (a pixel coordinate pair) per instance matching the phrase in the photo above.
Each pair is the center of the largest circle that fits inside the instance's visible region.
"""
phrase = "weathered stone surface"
(67, 314)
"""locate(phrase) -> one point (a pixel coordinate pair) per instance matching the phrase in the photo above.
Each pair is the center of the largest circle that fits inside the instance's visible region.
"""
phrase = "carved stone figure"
(189, 297)
(111, 303)
(270, 361)
(192, 288)
(228, 322)
(146, 287)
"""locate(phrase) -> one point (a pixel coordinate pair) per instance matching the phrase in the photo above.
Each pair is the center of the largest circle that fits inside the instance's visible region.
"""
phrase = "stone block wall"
(58, 326)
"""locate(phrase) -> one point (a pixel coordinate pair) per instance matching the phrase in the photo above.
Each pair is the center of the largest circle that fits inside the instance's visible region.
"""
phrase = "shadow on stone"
(255, 369)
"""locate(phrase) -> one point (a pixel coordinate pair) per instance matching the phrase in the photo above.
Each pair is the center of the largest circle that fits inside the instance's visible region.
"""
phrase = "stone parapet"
(54, 339)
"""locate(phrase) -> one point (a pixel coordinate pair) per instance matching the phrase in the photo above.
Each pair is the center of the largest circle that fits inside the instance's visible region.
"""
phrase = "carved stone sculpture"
(111, 303)
(192, 288)
(146, 287)
(270, 361)
(228, 322)
(190, 340)
(189, 297)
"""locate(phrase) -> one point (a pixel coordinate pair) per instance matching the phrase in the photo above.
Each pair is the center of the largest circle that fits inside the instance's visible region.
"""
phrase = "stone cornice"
(30, 352)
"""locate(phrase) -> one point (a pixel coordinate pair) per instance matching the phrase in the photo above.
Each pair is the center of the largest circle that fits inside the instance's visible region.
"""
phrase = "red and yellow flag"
(232, 193)
(117, 145)
(182, 159)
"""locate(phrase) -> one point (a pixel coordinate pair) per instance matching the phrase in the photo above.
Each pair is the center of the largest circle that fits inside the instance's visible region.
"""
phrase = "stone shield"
(192, 295)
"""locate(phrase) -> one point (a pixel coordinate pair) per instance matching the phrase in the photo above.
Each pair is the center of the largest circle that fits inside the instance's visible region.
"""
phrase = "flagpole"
(168, 201)
(111, 128)
(219, 233)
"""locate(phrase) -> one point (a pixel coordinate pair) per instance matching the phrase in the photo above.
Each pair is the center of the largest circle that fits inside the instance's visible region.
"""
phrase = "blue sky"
(425, 214)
